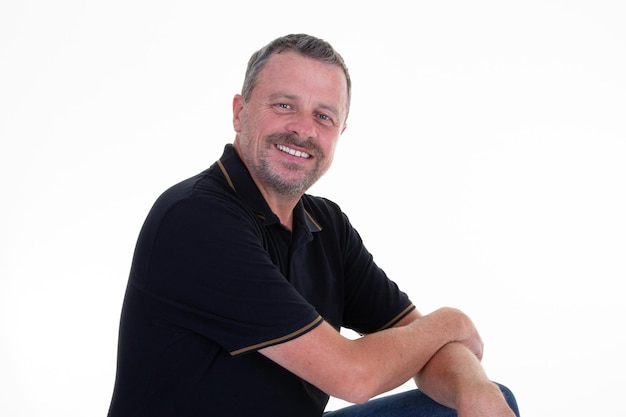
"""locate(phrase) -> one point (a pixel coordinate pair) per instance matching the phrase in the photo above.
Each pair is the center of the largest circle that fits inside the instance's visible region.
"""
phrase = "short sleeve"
(372, 300)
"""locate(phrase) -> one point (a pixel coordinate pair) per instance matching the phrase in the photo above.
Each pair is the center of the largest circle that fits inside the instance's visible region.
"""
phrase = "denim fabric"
(412, 403)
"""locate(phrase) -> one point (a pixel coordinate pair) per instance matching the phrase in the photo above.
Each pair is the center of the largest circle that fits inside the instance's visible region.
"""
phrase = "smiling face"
(287, 130)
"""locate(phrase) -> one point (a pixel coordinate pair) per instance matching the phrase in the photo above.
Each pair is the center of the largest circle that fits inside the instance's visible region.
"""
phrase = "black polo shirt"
(215, 277)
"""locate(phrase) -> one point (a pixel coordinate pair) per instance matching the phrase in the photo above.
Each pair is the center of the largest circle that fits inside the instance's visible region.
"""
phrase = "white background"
(484, 165)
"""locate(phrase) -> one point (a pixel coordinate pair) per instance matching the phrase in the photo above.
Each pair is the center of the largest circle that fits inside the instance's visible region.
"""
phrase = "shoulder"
(205, 189)
(196, 203)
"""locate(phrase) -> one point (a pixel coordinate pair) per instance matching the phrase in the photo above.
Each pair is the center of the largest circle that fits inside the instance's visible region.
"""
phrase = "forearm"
(389, 358)
(450, 374)
(356, 370)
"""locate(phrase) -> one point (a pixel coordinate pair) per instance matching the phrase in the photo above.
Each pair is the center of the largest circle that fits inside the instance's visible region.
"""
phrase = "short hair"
(306, 45)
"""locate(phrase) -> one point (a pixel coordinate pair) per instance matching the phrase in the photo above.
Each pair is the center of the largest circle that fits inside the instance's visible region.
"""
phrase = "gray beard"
(267, 176)
(286, 188)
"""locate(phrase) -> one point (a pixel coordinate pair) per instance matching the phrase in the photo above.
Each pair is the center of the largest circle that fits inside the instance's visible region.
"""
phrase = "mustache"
(292, 139)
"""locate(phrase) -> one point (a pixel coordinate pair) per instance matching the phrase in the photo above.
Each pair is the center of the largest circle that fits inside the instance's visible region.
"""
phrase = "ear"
(238, 105)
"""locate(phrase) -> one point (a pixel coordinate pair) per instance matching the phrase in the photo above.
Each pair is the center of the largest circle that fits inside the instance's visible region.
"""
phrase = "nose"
(302, 125)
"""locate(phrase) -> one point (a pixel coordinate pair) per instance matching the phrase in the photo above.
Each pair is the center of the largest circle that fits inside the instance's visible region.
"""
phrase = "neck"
(282, 205)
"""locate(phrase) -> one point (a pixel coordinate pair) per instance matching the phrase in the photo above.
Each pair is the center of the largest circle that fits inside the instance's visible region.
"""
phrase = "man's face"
(288, 129)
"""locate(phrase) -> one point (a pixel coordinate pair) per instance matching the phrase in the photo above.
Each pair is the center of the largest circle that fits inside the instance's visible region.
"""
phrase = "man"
(240, 281)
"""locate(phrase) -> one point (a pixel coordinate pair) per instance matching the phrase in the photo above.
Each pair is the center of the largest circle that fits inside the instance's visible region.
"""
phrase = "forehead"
(294, 74)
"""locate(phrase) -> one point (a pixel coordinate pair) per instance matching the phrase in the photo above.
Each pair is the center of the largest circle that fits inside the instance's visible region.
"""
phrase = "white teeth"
(293, 152)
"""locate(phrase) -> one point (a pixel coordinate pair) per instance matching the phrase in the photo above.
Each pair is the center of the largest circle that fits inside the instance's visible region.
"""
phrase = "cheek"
(258, 126)
(329, 148)
(329, 154)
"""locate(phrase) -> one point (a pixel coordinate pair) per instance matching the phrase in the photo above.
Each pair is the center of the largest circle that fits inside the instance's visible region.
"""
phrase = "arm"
(455, 378)
(356, 370)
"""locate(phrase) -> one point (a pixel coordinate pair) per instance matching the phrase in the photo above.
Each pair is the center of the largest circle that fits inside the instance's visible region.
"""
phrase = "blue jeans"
(413, 403)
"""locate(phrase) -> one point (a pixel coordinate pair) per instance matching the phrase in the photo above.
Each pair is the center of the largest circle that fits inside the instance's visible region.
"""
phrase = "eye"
(325, 118)
(283, 106)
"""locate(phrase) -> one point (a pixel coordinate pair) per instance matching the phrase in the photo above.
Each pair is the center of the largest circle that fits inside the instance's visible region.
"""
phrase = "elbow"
(360, 398)
(358, 387)
(356, 396)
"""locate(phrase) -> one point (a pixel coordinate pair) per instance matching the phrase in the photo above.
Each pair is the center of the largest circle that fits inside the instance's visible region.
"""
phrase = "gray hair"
(306, 45)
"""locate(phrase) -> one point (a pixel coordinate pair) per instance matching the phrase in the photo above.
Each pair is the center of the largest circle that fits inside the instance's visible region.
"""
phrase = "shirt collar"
(239, 179)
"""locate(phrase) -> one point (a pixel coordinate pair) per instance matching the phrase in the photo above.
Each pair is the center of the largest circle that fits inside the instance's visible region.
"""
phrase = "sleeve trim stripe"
(282, 339)
(397, 318)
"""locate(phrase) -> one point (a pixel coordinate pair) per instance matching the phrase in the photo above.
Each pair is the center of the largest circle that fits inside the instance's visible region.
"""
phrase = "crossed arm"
(440, 350)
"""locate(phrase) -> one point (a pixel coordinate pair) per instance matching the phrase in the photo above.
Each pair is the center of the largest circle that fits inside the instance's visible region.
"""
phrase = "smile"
(293, 152)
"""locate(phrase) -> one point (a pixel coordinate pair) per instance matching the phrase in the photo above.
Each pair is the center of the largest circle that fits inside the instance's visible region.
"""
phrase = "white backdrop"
(483, 165)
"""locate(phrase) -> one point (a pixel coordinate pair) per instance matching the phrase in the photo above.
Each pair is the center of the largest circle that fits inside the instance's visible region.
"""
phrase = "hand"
(465, 332)
(475, 344)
